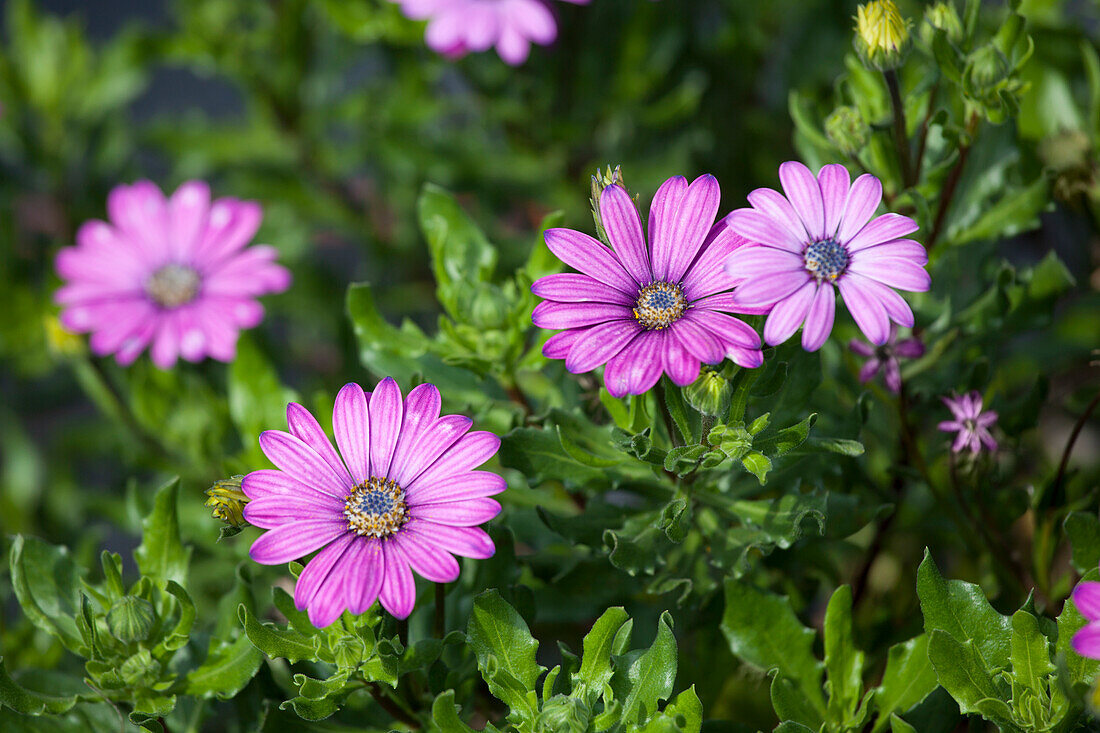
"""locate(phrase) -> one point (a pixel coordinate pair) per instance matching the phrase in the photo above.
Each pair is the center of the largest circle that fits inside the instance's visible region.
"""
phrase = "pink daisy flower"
(886, 358)
(647, 309)
(1086, 597)
(172, 272)
(822, 236)
(456, 27)
(401, 495)
(970, 422)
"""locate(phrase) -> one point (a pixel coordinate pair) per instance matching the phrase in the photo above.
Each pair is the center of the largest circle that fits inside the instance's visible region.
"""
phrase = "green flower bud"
(942, 16)
(140, 670)
(488, 309)
(882, 35)
(130, 619)
(600, 181)
(709, 393)
(847, 130)
(227, 501)
(986, 68)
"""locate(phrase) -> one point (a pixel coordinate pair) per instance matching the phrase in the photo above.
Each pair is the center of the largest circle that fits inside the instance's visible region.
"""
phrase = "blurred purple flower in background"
(401, 495)
(971, 423)
(647, 309)
(173, 273)
(457, 27)
(886, 358)
(821, 235)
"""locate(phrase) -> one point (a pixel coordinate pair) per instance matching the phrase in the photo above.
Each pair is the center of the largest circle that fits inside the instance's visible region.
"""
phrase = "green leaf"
(504, 648)
(595, 670)
(758, 465)
(1016, 212)
(674, 401)
(908, 679)
(651, 675)
(962, 671)
(274, 641)
(1030, 652)
(763, 630)
(538, 454)
(228, 668)
(161, 554)
(257, 398)
(843, 662)
(962, 611)
(45, 580)
(791, 704)
(445, 714)
(786, 439)
(29, 702)
(1083, 530)
(461, 254)
(682, 715)
(897, 725)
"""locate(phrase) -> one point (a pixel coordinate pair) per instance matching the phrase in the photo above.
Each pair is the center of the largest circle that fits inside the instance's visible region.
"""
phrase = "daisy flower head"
(457, 27)
(887, 358)
(971, 423)
(173, 274)
(642, 308)
(400, 495)
(1086, 597)
(822, 237)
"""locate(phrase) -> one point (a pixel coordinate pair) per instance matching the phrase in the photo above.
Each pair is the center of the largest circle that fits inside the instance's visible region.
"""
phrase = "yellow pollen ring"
(376, 508)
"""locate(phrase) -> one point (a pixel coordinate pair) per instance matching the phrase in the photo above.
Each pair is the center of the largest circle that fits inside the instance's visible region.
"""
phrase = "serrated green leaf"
(45, 580)
(908, 679)
(763, 630)
(276, 642)
(161, 554)
(445, 714)
(505, 649)
(1030, 652)
(962, 671)
(29, 702)
(227, 669)
(1083, 530)
(843, 662)
(460, 252)
(791, 704)
(961, 610)
(649, 676)
(758, 465)
(787, 439)
(595, 670)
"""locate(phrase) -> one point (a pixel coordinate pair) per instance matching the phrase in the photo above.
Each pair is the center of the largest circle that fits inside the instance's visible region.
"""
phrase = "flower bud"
(709, 393)
(600, 181)
(986, 68)
(140, 670)
(227, 500)
(847, 130)
(130, 619)
(882, 35)
(943, 17)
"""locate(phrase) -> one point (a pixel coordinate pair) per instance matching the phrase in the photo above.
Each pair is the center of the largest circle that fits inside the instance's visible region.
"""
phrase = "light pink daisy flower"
(647, 309)
(887, 357)
(1086, 597)
(401, 495)
(822, 236)
(970, 422)
(172, 272)
(457, 27)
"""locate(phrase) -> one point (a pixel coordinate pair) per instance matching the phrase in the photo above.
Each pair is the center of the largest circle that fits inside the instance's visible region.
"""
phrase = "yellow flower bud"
(60, 341)
(227, 501)
(882, 34)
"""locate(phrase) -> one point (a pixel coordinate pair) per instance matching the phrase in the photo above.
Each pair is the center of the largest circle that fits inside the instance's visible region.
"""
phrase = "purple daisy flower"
(647, 310)
(172, 272)
(821, 235)
(1086, 597)
(456, 27)
(886, 357)
(971, 423)
(403, 497)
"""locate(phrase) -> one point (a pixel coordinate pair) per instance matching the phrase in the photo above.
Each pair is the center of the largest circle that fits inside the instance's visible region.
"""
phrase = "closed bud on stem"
(709, 393)
(882, 35)
(130, 619)
(986, 68)
(847, 130)
(227, 501)
(943, 17)
(600, 181)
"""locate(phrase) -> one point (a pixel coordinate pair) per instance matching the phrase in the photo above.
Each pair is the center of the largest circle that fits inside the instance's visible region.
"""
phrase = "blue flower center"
(173, 285)
(376, 508)
(826, 260)
(659, 305)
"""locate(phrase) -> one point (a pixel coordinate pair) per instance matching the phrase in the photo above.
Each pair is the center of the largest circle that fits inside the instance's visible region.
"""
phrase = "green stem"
(901, 138)
(103, 392)
(440, 610)
(948, 191)
(397, 709)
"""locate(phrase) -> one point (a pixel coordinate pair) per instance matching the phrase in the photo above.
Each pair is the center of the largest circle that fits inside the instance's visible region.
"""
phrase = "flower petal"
(272, 511)
(570, 287)
(681, 367)
(789, 314)
(768, 289)
(636, 368)
(819, 319)
(422, 407)
(430, 562)
(700, 342)
(802, 190)
(318, 570)
(834, 182)
(863, 198)
(885, 228)
(893, 271)
(776, 206)
(1086, 641)
(620, 220)
(386, 414)
(304, 426)
(588, 256)
(436, 438)
(729, 329)
(896, 307)
(550, 314)
(302, 462)
(459, 486)
(559, 345)
(366, 573)
(760, 228)
(463, 513)
(679, 232)
(471, 542)
(398, 592)
(292, 541)
(866, 309)
(469, 452)
(600, 343)
(351, 424)
(757, 261)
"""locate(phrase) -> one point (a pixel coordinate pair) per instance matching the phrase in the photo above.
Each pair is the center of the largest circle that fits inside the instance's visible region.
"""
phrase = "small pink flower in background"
(886, 358)
(1086, 597)
(171, 273)
(401, 495)
(457, 27)
(820, 238)
(970, 422)
(646, 309)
